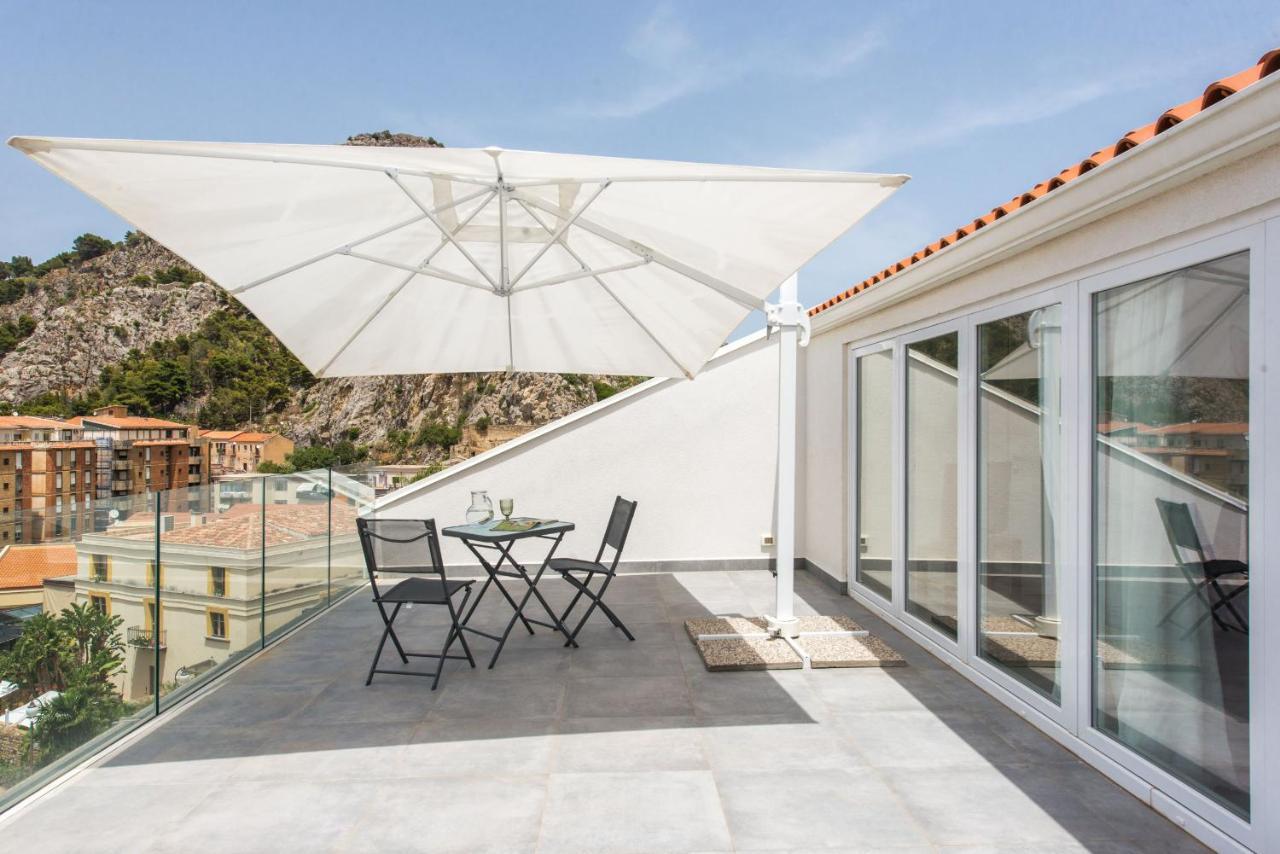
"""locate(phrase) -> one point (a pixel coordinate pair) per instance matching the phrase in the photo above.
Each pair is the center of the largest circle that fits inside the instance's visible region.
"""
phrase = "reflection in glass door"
(1019, 478)
(874, 556)
(1171, 519)
(932, 437)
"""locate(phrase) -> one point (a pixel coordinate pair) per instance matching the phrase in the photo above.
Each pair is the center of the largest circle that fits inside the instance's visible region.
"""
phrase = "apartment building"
(137, 455)
(46, 479)
(243, 451)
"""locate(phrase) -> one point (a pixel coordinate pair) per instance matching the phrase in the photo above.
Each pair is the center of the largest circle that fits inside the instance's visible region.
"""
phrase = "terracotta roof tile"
(133, 422)
(1269, 63)
(12, 422)
(29, 566)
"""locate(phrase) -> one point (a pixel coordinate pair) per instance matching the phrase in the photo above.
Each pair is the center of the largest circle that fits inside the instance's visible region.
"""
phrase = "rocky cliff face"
(92, 314)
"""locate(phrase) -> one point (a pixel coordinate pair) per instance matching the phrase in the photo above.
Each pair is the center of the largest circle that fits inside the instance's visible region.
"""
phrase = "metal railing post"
(156, 676)
(328, 548)
(262, 608)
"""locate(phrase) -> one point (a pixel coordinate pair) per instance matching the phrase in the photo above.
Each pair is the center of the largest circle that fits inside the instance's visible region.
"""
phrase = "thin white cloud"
(873, 142)
(673, 64)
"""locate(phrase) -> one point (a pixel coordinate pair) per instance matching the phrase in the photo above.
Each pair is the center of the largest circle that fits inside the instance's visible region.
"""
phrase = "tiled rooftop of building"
(1218, 90)
(129, 422)
(241, 526)
(28, 566)
(32, 422)
(247, 436)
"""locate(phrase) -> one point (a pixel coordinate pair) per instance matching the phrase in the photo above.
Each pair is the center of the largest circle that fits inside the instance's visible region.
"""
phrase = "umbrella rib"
(555, 236)
(315, 259)
(425, 270)
(395, 177)
(585, 272)
(396, 292)
(339, 250)
(595, 275)
(723, 288)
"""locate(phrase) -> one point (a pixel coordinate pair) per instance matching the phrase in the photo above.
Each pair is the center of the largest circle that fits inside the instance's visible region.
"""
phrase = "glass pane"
(210, 584)
(875, 472)
(1019, 476)
(353, 495)
(1171, 513)
(56, 707)
(932, 398)
(297, 553)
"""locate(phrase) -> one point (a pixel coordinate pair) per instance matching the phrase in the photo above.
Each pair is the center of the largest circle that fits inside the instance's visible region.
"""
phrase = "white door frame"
(1171, 794)
(1065, 533)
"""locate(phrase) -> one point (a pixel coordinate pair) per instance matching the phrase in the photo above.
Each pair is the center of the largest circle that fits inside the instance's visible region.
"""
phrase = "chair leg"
(608, 612)
(458, 627)
(386, 632)
(1224, 601)
(394, 640)
(564, 618)
(595, 598)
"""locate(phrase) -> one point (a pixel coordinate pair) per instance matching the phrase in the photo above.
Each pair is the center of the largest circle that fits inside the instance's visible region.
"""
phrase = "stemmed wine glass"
(506, 505)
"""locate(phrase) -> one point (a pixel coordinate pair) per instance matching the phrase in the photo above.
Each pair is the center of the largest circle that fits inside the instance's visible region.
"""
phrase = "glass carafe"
(481, 509)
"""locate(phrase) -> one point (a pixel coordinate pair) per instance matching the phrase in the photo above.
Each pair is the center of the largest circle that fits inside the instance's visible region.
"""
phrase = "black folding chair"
(411, 546)
(1202, 573)
(615, 537)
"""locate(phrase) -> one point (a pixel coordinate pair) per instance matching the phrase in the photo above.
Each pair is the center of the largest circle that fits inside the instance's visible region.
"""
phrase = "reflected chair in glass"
(411, 546)
(1203, 573)
(615, 537)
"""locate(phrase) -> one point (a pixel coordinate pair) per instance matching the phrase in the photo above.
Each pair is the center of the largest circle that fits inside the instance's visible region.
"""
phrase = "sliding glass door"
(932, 424)
(874, 544)
(1171, 523)
(1019, 512)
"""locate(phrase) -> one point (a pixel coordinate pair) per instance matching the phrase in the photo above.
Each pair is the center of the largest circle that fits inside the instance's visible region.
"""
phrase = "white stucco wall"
(699, 457)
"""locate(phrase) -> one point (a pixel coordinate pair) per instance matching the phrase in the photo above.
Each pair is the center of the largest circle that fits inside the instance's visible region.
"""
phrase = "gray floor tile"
(638, 696)
(495, 814)
(650, 811)
(630, 744)
(815, 809)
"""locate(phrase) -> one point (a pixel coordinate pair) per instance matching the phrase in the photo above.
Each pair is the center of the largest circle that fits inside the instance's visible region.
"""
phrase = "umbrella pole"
(789, 318)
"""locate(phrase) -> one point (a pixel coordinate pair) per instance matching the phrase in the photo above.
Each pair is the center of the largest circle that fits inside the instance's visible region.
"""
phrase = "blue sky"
(976, 101)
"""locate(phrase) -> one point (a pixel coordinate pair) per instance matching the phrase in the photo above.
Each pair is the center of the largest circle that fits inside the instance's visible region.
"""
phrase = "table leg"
(533, 587)
(492, 571)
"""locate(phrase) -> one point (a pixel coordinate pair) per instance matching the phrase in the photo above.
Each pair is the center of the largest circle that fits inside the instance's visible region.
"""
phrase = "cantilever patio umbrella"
(367, 261)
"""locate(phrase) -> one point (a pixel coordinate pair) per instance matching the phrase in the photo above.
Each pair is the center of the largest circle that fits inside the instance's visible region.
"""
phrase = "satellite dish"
(114, 514)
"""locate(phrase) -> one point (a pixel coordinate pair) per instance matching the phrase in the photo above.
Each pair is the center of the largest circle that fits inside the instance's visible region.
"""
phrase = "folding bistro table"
(483, 537)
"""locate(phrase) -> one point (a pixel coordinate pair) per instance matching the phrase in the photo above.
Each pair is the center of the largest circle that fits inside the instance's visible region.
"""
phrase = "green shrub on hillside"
(231, 360)
(14, 333)
(177, 273)
(88, 246)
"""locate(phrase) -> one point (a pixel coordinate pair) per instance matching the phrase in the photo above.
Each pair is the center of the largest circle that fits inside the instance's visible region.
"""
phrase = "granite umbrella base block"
(744, 643)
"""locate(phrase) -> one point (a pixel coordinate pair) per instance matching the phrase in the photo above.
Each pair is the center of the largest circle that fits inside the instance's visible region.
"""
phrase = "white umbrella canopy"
(370, 261)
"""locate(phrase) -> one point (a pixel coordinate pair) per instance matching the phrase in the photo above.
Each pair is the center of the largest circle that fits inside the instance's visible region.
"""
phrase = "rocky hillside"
(137, 325)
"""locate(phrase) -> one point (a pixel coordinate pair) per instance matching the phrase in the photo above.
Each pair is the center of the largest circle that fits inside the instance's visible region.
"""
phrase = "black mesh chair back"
(1202, 573)
(401, 545)
(1181, 530)
(411, 547)
(615, 533)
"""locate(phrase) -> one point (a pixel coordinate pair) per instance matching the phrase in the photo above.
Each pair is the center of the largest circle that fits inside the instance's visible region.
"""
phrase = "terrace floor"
(612, 747)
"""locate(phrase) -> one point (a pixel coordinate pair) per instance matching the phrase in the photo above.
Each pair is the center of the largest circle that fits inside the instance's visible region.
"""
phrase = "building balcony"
(145, 638)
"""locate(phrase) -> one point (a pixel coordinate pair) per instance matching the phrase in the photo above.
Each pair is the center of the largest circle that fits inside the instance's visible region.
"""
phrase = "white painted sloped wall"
(699, 456)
